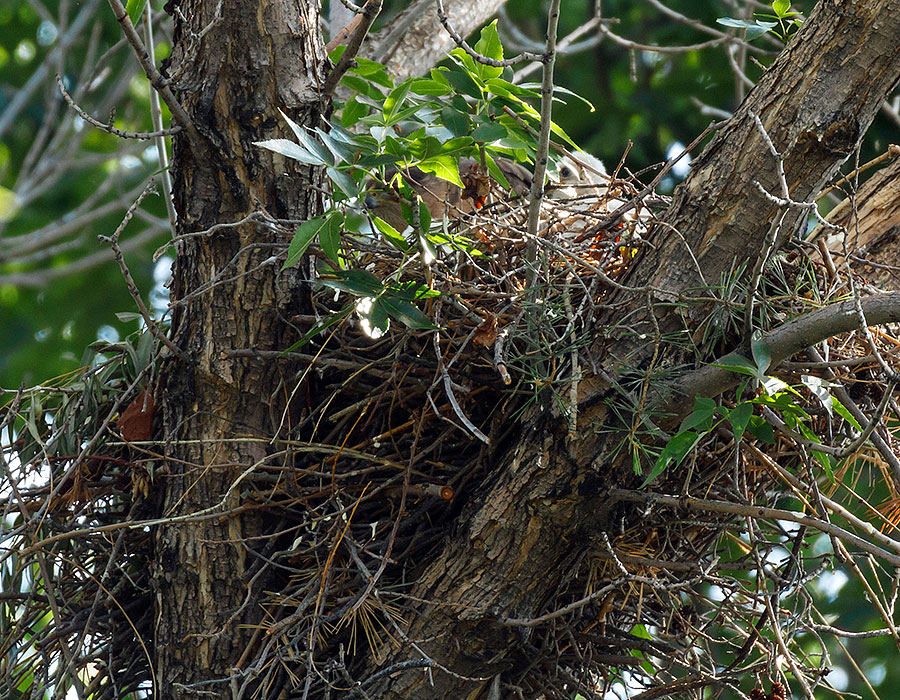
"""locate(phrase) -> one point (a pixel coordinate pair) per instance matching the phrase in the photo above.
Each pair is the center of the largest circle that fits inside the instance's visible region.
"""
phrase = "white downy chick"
(579, 175)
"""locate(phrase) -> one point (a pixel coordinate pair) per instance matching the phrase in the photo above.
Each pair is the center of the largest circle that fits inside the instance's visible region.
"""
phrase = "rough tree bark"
(254, 59)
(415, 40)
(871, 219)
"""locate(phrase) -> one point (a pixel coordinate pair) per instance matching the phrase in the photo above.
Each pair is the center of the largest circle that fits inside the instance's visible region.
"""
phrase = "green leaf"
(424, 217)
(844, 413)
(702, 416)
(303, 236)
(392, 235)
(359, 283)
(820, 388)
(374, 71)
(362, 87)
(393, 103)
(504, 88)
(674, 452)
(322, 325)
(754, 29)
(425, 86)
(827, 462)
(457, 122)
(773, 385)
(489, 132)
(762, 353)
(353, 111)
(289, 149)
(739, 417)
(761, 430)
(135, 10)
(463, 82)
(737, 363)
(562, 91)
(309, 144)
(339, 148)
(405, 312)
(495, 172)
(489, 45)
(781, 7)
(378, 317)
(345, 183)
(330, 238)
(412, 290)
(445, 167)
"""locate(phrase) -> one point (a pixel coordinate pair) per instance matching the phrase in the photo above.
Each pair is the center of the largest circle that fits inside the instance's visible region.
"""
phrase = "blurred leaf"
(135, 10)
(754, 29)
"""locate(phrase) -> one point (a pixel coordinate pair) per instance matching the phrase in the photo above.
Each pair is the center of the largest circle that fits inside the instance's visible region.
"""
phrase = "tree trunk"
(869, 222)
(256, 58)
(547, 501)
(416, 40)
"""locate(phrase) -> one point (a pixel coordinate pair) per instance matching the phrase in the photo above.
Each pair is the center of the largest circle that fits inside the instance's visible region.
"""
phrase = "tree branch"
(783, 342)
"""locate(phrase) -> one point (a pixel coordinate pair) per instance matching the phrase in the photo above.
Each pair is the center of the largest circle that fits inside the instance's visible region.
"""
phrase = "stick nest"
(398, 434)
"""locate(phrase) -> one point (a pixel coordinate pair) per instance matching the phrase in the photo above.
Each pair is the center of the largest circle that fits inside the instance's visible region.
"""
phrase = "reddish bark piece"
(136, 422)
(486, 333)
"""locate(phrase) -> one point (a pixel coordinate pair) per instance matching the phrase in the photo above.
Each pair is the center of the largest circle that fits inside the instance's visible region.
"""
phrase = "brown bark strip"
(254, 59)
(871, 219)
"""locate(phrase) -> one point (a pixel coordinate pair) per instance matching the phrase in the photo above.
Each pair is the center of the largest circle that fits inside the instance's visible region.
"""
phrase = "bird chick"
(442, 197)
(579, 175)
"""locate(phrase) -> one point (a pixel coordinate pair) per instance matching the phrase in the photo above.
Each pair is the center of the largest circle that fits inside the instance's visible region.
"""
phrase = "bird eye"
(565, 171)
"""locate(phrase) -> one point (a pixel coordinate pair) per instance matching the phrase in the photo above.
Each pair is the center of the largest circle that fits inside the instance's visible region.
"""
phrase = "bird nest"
(402, 428)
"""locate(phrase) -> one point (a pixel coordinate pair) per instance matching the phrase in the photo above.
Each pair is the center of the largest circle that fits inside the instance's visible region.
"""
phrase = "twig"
(844, 397)
(156, 119)
(763, 512)
(892, 151)
(159, 83)
(543, 145)
(362, 23)
(129, 280)
(784, 341)
(461, 42)
(109, 128)
(448, 387)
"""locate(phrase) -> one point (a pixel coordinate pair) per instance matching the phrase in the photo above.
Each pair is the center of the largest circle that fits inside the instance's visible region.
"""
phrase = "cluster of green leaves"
(55, 423)
(781, 398)
(782, 22)
(465, 109)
